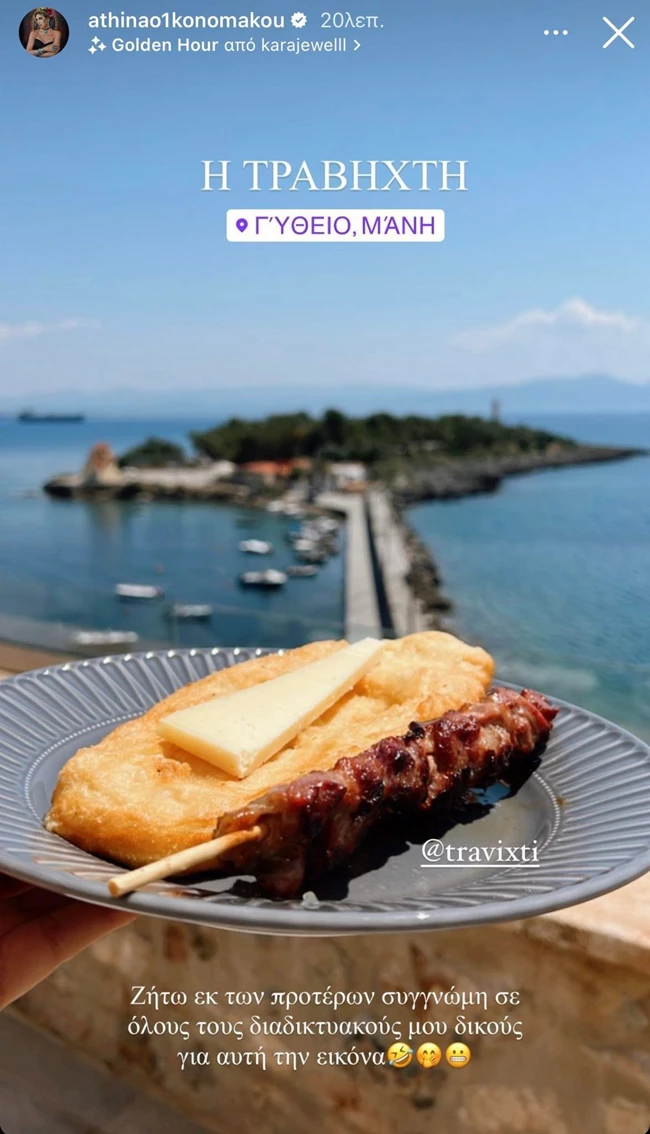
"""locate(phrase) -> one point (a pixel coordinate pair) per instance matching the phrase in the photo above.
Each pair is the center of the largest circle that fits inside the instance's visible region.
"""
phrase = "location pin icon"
(242, 224)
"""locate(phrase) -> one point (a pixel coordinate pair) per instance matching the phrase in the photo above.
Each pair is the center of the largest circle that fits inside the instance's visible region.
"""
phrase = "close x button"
(619, 32)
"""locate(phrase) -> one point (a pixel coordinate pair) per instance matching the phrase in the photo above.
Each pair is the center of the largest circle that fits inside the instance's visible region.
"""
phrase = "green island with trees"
(378, 438)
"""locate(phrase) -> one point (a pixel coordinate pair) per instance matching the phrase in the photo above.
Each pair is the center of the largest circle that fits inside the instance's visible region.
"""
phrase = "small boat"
(328, 537)
(269, 579)
(255, 546)
(309, 551)
(138, 591)
(104, 638)
(305, 544)
(327, 543)
(302, 570)
(191, 611)
(326, 524)
(316, 555)
(320, 533)
(285, 508)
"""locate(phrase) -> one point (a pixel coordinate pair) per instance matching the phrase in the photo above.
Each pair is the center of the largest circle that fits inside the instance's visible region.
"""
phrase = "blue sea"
(552, 572)
(60, 560)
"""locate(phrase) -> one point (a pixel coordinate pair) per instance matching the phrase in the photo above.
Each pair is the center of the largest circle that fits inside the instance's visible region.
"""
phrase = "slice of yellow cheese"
(240, 731)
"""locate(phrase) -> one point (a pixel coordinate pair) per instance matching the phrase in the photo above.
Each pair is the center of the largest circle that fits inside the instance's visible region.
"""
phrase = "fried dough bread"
(135, 797)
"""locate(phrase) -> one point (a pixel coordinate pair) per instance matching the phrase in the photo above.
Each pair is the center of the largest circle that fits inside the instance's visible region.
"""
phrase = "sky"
(116, 273)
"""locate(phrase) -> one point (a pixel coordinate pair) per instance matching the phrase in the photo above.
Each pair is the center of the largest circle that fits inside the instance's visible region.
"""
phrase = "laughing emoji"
(400, 1055)
(458, 1055)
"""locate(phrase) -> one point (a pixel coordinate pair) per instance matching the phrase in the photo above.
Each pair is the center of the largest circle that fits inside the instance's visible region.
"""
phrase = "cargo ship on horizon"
(58, 418)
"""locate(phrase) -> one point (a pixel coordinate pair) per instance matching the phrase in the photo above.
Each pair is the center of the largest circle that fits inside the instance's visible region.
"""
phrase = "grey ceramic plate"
(588, 807)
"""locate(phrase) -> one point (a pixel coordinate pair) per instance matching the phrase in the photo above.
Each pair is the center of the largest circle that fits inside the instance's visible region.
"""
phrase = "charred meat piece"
(317, 821)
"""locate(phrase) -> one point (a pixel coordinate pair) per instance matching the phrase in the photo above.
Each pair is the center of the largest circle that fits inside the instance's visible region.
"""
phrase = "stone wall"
(582, 1066)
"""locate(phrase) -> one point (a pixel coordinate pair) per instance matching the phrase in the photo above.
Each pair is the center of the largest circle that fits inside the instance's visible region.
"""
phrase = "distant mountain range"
(590, 394)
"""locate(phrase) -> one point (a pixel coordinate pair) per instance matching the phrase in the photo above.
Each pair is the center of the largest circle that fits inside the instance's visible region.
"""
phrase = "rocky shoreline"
(173, 487)
(424, 578)
(454, 479)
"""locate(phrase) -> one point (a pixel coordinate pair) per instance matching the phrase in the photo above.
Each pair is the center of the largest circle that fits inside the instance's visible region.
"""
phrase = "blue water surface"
(552, 572)
(60, 560)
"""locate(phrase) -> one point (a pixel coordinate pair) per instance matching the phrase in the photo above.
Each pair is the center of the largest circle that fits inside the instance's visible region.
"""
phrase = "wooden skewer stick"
(181, 862)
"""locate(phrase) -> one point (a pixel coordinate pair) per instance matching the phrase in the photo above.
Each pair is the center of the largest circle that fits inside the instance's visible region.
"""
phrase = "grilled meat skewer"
(318, 820)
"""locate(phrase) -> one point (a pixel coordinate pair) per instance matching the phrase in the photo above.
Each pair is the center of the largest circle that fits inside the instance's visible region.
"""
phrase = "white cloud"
(12, 331)
(571, 316)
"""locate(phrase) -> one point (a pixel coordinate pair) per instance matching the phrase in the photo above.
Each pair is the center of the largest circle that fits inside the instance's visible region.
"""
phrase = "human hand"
(40, 930)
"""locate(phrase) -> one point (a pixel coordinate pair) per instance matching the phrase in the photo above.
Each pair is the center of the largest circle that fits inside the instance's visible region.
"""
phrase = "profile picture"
(44, 32)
